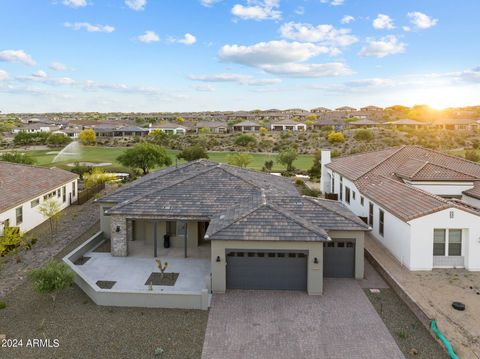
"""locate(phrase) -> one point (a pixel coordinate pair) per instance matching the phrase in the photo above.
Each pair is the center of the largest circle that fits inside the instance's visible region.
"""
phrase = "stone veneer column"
(119, 239)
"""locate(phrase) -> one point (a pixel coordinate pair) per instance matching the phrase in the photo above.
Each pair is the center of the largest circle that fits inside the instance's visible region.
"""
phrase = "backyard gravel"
(405, 328)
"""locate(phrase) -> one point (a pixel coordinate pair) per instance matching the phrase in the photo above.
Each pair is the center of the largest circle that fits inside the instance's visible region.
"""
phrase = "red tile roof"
(22, 183)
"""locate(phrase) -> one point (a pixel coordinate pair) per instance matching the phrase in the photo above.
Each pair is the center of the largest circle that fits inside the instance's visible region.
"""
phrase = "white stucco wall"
(471, 200)
(31, 216)
(443, 188)
(422, 237)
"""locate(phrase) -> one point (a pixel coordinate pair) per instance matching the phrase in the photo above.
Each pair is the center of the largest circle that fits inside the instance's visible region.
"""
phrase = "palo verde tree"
(145, 156)
(239, 159)
(287, 157)
(51, 210)
(87, 137)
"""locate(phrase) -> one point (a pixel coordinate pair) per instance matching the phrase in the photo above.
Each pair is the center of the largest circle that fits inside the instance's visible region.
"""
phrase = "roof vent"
(222, 216)
(166, 207)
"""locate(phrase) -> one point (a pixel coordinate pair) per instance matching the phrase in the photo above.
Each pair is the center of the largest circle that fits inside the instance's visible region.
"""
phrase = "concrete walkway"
(281, 324)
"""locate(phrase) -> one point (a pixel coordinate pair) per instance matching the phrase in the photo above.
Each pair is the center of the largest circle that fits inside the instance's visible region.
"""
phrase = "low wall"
(118, 298)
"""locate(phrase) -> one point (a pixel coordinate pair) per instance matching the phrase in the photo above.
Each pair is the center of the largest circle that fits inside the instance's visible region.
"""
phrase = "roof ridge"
(381, 162)
(357, 220)
(448, 168)
(419, 168)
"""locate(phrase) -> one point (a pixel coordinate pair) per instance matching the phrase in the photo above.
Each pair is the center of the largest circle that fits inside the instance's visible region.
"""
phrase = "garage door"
(339, 259)
(284, 270)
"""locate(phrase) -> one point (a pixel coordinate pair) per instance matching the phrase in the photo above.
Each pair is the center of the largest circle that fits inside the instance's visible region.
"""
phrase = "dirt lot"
(434, 292)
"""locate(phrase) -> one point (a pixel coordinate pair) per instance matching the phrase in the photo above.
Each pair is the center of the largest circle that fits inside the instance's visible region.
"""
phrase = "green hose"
(444, 340)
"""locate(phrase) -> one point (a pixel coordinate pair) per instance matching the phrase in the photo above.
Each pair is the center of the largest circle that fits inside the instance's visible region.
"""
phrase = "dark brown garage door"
(339, 259)
(283, 270)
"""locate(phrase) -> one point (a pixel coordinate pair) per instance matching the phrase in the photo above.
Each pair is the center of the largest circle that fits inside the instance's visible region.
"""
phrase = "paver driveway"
(341, 324)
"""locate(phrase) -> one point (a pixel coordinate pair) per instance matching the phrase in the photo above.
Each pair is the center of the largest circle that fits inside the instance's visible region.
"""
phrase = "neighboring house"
(169, 127)
(320, 110)
(259, 232)
(371, 109)
(288, 125)
(72, 132)
(407, 123)
(131, 131)
(246, 126)
(336, 124)
(35, 128)
(365, 123)
(456, 124)
(345, 109)
(212, 126)
(23, 188)
(422, 205)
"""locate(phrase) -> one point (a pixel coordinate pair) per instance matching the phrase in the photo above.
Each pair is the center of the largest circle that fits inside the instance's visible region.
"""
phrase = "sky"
(216, 55)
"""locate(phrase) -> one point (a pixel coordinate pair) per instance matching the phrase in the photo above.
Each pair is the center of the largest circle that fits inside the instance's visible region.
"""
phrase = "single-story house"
(286, 125)
(212, 126)
(456, 124)
(336, 124)
(35, 128)
(23, 188)
(169, 127)
(408, 123)
(247, 126)
(258, 231)
(320, 110)
(371, 109)
(345, 109)
(365, 123)
(422, 205)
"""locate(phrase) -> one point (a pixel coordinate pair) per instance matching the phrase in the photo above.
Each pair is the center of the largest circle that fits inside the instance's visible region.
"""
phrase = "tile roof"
(475, 191)
(210, 124)
(22, 183)
(236, 200)
(379, 175)
(287, 122)
(407, 121)
(247, 123)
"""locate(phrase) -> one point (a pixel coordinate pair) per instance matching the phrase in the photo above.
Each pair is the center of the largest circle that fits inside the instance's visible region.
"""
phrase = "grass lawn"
(110, 154)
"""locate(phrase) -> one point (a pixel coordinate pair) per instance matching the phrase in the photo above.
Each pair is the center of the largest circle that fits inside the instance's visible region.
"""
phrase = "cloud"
(421, 21)
(136, 5)
(204, 88)
(258, 10)
(89, 27)
(75, 3)
(388, 45)
(40, 74)
(187, 39)
(347, 19)
(237, 78)
(333, 2)
(325, 34)
(4, 75)
(17, 57)
(58, 66)
(209, 3)
(309, 70)
(300, 10)
(272, 52)
(148, 36)
(383, 22)
(471, 75)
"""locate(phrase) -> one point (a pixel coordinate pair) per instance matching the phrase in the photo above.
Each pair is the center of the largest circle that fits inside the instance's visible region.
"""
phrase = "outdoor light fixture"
(315, 260)
(117, 229)
(218, 258)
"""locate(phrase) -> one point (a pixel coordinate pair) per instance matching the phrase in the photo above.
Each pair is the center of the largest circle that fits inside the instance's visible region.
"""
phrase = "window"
(381, 217)
(333, 184)
(64, 194)
(6, 223)
(347, 194)
(18, 215)
(439, 237)
(454, 242)
(172, 228)
(353, 195)
(341, 192)
(362, 201)
(370, 214)
(58, 193)
(35, 202)
(74, 188)
(181, 228)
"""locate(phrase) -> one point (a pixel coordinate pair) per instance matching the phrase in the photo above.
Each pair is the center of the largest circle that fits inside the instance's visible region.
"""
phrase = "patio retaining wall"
(120, 298)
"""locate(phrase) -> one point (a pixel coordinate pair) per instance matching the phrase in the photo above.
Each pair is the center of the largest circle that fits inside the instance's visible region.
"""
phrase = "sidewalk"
(434, 291)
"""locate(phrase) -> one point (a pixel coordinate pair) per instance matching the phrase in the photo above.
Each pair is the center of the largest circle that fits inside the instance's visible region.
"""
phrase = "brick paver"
(340, 324)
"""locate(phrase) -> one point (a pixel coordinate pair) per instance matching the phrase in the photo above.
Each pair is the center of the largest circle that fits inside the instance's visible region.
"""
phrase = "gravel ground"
(405, 328)
(86, 330)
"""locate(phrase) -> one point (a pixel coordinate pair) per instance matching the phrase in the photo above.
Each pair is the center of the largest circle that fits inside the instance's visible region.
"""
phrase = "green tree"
(267, 166)
(363, 134)
(180, 120)
(145, 156)
(97, 176)
(51, 210)
(87, 137)
(204, 130)
(335, 137)
(287, 157)
(24, 138)
(245, 140)
(159, 137)
(52, 278)
(58, 139)
(263, 131)
(316, 169)
(239, 159)
(193, 153)
(17, 157)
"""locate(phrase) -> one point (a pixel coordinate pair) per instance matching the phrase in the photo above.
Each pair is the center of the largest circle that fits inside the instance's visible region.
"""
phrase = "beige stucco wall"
(314, 272)
(359, 237)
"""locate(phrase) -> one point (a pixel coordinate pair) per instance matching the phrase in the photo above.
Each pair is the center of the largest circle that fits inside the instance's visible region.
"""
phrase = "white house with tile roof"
(422, 205)
(24, 188)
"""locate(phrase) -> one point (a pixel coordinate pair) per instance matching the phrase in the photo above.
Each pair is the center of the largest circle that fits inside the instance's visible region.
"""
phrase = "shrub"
(336, 137)
(239, 159)
(87, 137)
(363, 135)
(316, 169)
(287, 157)
(267, 166)
(81, 169)
(299, 182)
(245, 140)
(10, 240)
(3, 305)
(25, 138)
(472, 155)
(193, 153)
(17, 157)
(58, 139)
(51, 278)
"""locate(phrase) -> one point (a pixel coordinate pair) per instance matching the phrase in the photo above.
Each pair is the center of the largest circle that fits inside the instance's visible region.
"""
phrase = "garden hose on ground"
(444, 340)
